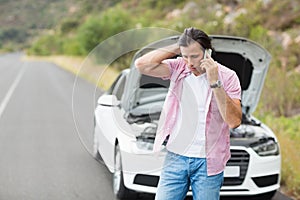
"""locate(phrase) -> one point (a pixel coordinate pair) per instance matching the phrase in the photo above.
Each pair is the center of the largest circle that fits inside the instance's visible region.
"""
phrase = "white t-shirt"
(188, 138)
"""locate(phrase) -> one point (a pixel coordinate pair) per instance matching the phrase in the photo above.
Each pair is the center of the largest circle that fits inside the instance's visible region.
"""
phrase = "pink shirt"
(217, 131)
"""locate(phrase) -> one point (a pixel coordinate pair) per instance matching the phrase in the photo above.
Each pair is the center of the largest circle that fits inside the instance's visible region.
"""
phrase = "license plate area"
(232, 171)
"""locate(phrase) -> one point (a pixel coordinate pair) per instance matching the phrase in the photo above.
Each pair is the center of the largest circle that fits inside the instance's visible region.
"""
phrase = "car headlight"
(266, 147)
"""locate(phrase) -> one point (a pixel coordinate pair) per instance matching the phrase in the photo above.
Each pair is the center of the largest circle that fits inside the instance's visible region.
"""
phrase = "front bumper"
(257, 175)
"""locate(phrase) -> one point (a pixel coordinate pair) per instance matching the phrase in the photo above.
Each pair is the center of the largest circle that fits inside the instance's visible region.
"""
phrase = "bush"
(16, 35)
(68, 25)
(280, 95)
(97, 29)
(47, 45)
(114, 21)
(89, 33)
(72, 47)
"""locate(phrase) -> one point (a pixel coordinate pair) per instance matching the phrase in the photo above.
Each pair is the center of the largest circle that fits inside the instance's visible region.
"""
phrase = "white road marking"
(11, 91)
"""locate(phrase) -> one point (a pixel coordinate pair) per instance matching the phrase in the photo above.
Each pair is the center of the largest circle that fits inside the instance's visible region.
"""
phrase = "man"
(203, 102)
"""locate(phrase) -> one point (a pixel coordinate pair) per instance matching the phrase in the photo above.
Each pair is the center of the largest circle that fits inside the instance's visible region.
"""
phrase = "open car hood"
(249, 60)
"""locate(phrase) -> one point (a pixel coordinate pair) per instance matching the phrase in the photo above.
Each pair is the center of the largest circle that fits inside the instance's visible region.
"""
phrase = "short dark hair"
(191, 35)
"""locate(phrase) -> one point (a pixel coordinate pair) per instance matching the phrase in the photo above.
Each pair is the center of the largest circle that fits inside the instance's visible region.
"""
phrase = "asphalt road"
(46, 126)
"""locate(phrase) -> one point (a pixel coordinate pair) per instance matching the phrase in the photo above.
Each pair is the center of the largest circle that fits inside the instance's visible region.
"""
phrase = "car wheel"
(120, 191)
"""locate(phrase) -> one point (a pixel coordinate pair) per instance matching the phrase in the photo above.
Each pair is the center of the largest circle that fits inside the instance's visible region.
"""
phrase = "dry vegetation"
(102, 76)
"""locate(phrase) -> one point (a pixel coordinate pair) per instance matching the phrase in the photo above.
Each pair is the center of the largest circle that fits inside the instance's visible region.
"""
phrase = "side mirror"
(108, 100)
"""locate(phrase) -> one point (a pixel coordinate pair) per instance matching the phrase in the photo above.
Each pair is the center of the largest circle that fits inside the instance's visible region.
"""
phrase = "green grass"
(287, 131)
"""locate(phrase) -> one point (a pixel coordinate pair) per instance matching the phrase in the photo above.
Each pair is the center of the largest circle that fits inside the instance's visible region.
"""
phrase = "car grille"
(238, 158)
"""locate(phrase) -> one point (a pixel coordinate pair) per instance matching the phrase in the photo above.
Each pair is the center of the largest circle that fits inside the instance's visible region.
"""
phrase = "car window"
(119, 87)
(112, 87)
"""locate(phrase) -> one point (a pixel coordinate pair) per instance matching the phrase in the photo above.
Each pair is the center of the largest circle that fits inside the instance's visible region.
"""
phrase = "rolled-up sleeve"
(232, 85)
(174, 65)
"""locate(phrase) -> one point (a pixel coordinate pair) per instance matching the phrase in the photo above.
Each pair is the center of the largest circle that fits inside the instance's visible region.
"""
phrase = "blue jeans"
(181, 172)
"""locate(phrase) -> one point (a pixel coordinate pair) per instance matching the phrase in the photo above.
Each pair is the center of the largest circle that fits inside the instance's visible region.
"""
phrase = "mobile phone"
(207, 52)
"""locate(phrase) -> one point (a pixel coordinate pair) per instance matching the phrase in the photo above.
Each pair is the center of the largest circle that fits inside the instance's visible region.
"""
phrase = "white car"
(127, 114)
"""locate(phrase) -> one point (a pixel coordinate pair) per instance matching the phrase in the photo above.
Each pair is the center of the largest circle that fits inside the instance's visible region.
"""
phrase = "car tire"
(120, 191)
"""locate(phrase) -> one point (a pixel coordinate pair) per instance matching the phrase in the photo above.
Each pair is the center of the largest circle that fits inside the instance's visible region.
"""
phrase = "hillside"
(275, 24)
(80, 25)
(23, 20)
